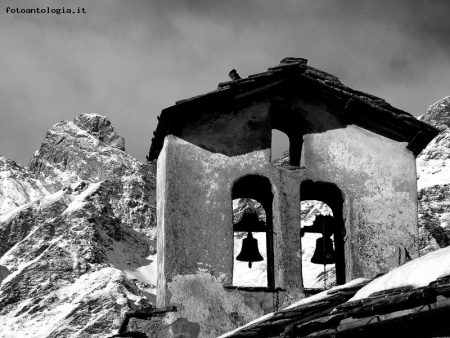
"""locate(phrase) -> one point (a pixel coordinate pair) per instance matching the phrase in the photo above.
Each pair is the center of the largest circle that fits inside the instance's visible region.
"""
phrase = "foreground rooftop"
(410, 301)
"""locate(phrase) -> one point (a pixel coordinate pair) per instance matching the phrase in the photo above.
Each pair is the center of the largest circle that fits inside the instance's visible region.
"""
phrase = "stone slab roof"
(333, 316)
(419, 295)
(358, 107)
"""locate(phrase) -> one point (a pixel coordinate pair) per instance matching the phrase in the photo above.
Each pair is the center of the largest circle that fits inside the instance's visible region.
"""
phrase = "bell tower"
(349, 150)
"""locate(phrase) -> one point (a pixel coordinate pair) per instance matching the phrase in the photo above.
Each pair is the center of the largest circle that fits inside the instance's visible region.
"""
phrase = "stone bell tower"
(350, 150)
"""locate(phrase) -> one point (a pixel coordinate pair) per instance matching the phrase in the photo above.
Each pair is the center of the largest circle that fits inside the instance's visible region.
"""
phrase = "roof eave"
(360, 108)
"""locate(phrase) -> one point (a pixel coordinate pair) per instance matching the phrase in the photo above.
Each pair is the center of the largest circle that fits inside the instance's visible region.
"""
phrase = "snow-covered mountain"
(433, 170)
(77, 270)
(89, 149)
(77, 231)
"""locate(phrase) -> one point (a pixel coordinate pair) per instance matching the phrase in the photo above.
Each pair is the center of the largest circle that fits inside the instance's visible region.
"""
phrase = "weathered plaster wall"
(161, 190)
(378, 179)
(196, 227)
(205, 302)
(196, 174)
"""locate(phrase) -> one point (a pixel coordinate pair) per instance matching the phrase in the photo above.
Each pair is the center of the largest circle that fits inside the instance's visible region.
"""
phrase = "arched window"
(279, 147)
(242, 275)
(316, 275)
(286, 150)
(322, 232)
(252, 208)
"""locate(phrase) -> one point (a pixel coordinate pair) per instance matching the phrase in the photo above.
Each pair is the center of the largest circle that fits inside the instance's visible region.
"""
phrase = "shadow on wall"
(239, 127)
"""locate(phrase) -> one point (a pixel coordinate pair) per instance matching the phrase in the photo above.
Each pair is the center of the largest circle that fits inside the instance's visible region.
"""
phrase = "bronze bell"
(249, 252)
(324, 253)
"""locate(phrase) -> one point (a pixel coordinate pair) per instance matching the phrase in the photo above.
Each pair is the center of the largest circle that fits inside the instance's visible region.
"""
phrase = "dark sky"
(130, 59)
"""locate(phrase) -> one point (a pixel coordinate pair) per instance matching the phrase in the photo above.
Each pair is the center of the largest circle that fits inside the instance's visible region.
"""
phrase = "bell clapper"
(250, 265)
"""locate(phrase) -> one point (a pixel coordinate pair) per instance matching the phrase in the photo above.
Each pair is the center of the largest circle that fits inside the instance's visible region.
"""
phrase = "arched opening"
(286, 119)
(315, 276)
(252, 220)
(279, 147)
(286, 148)
(242, 275)
(323, 233)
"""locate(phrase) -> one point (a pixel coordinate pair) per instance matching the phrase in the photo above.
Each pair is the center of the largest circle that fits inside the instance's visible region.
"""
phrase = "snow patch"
(433, 172)
(417, 273)
(78, 201)
(324, 294)
(15, 211)
(48, 199)
(145, 272)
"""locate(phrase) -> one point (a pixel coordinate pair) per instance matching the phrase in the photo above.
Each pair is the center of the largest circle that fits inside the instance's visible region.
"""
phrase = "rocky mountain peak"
(78, 150)
(100, 127)
(432, 163)
(88, 149)
(77, 232)
(438, 114)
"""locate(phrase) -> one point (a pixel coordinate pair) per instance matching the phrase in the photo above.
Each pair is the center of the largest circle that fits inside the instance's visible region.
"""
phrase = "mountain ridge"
(77, 234)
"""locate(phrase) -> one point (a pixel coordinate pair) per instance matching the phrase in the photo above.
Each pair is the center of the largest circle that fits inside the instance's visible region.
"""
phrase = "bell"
(324, 253)
(249, 252)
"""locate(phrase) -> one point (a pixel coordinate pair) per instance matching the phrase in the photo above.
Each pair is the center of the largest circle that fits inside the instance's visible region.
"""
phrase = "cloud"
(129, 60)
